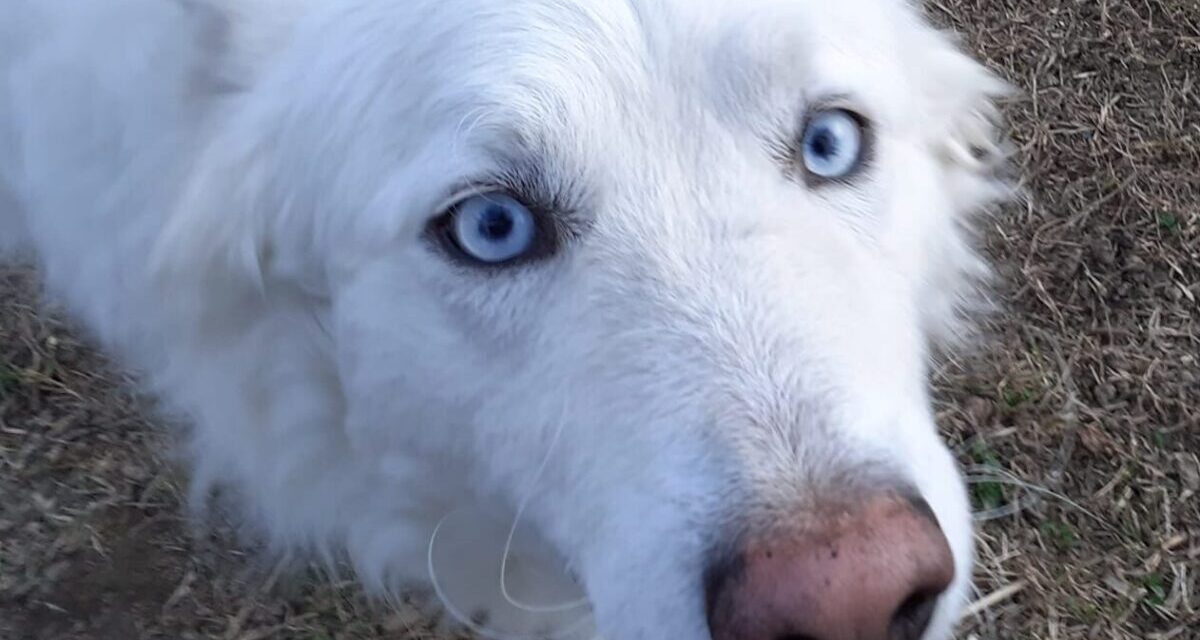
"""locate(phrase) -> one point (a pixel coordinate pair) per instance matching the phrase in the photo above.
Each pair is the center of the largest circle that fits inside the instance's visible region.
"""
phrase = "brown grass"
(1080, 424)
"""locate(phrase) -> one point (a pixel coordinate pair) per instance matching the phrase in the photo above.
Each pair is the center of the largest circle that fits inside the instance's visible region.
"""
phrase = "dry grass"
(1081, 424)
(1092, 394)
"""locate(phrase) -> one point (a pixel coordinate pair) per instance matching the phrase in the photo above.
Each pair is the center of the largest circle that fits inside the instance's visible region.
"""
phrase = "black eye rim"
(441, 231)
(866, 150)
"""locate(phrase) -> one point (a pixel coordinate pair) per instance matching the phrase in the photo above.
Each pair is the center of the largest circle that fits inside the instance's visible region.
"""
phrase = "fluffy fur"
(232, 195)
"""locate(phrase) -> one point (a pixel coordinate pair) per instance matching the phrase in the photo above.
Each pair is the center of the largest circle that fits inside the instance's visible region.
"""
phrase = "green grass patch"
(1156, 589)
(1014, 398)
(10, 379)
(987, 495)
(984, 455)
(1168, 222)
(1060, 534)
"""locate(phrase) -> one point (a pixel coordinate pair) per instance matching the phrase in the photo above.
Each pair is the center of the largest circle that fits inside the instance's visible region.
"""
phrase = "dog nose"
(873, 571)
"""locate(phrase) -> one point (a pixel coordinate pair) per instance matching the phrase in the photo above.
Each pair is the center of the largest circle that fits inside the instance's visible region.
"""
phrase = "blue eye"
(493, 228)
(833, 144)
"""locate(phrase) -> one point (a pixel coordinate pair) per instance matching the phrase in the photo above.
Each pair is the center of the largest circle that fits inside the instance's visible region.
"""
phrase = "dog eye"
(492, 228)
(832, 144)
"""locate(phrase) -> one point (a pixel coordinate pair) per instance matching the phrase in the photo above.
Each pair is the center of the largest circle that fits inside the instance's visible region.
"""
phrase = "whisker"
(483, 629)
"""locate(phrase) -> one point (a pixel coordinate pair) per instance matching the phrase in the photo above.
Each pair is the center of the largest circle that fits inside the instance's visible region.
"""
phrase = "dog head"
(672, 270)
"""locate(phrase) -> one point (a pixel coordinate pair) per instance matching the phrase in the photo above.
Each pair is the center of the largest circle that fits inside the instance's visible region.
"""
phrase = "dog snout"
(871, 571)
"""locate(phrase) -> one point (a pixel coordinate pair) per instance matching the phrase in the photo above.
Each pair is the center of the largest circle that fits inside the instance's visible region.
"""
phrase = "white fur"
(232, 196)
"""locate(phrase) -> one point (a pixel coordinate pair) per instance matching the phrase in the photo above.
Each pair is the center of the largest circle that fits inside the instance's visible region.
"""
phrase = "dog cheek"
(408, 382)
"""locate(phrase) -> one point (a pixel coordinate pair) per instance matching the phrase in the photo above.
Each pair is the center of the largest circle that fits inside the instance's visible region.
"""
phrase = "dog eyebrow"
(559, 195)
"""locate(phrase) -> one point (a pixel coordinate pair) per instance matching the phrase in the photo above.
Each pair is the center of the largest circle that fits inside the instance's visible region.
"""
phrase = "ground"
(1079, 421)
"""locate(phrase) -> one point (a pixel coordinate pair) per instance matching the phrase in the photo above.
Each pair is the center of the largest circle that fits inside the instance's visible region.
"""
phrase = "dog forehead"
(579, 62)
(606, 94)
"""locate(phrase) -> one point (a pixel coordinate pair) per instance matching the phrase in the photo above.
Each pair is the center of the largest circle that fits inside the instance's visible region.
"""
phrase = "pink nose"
(870, 572)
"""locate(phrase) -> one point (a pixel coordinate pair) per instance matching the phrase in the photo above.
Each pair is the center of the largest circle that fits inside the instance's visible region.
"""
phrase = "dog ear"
(217, 227)
(965, 132)
(964, 98)
(235, 239)
(225, 252)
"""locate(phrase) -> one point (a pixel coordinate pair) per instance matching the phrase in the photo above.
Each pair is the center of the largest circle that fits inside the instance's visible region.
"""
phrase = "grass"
(1061, 535)
(1168, 222)
(1079, 419)
(10, 379)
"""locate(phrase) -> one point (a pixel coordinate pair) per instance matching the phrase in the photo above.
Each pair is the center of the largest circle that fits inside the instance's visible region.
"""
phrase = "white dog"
(657, 280)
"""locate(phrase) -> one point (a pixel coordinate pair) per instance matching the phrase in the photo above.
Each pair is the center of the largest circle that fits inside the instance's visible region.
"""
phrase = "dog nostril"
(913, 617)
(922, 507)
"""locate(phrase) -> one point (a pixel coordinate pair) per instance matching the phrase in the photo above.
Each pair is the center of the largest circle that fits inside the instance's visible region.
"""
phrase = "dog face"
(670, 270)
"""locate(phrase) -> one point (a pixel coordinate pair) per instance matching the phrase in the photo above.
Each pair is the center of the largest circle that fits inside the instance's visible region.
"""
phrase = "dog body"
(241, 200)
